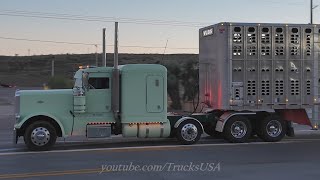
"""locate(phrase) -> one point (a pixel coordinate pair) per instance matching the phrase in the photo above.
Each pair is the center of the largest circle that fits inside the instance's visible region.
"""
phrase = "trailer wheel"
(237, 130)
(272, 129)
(189, 132)
(40, 136)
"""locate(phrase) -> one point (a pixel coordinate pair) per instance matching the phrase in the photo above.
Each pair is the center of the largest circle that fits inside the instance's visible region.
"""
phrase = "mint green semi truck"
(251, 82)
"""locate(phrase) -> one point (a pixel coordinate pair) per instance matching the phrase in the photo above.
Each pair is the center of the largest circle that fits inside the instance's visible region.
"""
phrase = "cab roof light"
(87, 66)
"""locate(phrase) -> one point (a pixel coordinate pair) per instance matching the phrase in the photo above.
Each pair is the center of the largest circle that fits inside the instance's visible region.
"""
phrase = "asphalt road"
(289, 159)
(292, 158)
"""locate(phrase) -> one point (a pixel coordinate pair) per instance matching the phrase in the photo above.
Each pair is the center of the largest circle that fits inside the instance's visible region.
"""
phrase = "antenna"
(311, 11)
(164, 51)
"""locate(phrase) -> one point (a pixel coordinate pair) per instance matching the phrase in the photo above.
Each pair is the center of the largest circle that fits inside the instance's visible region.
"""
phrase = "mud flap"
(298, 116)
(290, 130)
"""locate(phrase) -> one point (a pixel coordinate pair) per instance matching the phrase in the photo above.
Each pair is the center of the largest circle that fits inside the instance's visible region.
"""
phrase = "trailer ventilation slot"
(308, 30)
(294, 30)
(279, 85)
(308, 45)
(295, 86)
(251, 88)
(237, 29)
(308, 87)
(308, 69)
(294, 51)
(280, 69)
(279, 37)
(279, 51)
(265, 38)
(265, 88)
(251, 36)
(237, 38)
(265, 50)
(279, 30)
(251, 50)
(295, 38)
(237, 50)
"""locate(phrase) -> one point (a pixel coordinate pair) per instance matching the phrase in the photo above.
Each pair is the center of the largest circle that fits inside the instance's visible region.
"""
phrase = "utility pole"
(104, 57)
(96, 46)
(52, 67)
(311, 11)
(116, 45)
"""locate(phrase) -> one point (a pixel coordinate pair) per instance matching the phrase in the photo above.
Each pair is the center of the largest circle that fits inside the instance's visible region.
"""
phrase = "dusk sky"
(143, 28)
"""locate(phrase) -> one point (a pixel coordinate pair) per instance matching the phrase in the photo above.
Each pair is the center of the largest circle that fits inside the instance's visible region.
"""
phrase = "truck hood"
(53, 102)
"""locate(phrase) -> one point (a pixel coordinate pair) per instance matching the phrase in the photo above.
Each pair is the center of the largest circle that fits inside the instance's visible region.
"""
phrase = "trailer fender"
(226, 116)
(176, 125)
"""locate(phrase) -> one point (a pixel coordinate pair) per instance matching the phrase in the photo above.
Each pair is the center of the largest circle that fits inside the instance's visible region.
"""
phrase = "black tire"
(190, 126)
(44, 129)
(276, 135)
(243, 123)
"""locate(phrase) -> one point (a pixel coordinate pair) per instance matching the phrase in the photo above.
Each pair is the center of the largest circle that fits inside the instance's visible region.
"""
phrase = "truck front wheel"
(272, 129)
(237, 130)
(189, 132)
(40, 136)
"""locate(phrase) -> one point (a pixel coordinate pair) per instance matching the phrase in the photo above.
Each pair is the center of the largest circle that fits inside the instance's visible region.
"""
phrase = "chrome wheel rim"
(40, 136)
(189, 132)
(238, 129)
(274, 128)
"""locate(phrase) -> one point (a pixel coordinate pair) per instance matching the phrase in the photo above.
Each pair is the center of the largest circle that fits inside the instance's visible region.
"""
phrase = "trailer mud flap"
(298, 116)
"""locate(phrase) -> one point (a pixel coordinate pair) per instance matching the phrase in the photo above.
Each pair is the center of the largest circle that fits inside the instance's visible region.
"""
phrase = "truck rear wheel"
(189, 132)
(272, 129)
(237, 130)
(40, 136)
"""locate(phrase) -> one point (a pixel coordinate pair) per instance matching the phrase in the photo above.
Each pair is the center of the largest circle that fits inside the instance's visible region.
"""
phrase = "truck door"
(97, 103)
(98, 97)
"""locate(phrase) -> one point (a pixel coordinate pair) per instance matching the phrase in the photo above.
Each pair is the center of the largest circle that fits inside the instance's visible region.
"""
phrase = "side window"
(99, 82)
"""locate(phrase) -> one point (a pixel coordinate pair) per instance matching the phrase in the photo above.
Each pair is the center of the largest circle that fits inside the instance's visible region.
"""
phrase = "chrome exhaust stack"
(115, 101)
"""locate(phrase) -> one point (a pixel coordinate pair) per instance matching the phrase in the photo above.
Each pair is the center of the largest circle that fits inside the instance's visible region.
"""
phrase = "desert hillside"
(35, 70)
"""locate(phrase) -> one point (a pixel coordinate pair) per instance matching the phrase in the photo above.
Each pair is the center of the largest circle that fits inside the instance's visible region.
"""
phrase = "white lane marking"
(142, 147)
(302, 140)
(10, 149)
